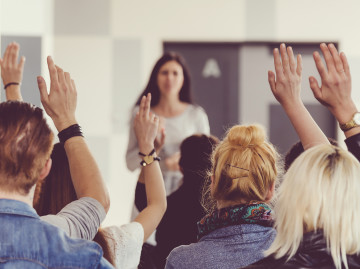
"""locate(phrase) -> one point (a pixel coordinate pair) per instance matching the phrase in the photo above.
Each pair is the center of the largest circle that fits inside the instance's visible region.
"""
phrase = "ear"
(270, 193)
(46, 169)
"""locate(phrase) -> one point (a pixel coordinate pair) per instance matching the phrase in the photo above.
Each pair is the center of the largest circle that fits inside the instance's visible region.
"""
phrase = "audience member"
(244, 173)
(121, 244)
(178, 226)
(323, 231)
(25, 147)
(82, 218)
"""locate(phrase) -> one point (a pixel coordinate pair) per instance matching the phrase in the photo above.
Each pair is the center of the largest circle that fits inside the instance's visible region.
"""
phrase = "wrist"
(345, 113)
(146, 148)
(62, 124)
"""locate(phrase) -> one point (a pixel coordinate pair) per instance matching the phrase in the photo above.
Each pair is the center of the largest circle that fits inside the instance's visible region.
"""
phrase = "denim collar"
(15, 207)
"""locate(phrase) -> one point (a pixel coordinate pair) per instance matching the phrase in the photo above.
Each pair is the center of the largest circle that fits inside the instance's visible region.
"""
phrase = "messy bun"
(246, 136)
(244, 165)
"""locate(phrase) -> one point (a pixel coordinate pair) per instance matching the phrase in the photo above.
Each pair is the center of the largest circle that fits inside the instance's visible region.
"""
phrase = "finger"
(328, 58)
(52, 71)
(284, 59)
(6, 54)
(278, 64)
(61, 76)
(147, 104)
(299, 64)
(68, 79)
(319, 65)
(142, 106)
(314, 86)
(337, 60)
(292, 62)
(22, 62)
(43, 90)
(271, 79)
(14, 54)
(345, 63)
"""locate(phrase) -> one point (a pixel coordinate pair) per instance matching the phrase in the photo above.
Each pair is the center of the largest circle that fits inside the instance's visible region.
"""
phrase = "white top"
(125, 244)
(192, 121)
(79, 219)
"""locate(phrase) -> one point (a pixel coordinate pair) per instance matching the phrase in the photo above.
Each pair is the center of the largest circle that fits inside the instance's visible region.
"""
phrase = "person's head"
(25, 146)
(195, 154)
(244, 166)
(170, 75)
(57, 190)
(297, 149)
(320, 191)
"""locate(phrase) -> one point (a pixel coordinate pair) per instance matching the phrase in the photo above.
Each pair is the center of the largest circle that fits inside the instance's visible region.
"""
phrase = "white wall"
(110, 46)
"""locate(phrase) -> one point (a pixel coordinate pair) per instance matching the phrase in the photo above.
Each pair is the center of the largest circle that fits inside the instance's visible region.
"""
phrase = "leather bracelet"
(69, 132)
(148, 159)
(11, 83)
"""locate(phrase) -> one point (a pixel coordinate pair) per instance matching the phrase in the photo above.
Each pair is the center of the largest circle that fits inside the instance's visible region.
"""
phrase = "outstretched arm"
(12, 71)
(286, 87)
(146, 126)
(335, 91)
(60, 105)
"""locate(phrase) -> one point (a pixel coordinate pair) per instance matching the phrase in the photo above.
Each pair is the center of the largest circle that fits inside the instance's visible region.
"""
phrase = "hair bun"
(246, 135)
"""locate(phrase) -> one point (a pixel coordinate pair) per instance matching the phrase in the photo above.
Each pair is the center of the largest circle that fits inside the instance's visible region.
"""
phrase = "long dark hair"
(57, 190)
(153, 88)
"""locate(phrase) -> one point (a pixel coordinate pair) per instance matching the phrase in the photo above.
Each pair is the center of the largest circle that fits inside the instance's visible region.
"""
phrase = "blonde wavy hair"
(320, 191)
(244, 166)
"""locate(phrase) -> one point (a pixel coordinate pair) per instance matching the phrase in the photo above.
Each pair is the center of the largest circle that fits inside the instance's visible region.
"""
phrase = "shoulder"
(196, 109)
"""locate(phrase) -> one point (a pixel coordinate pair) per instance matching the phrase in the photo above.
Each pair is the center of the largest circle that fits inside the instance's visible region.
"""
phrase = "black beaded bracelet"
(11, 83)
(71, 131)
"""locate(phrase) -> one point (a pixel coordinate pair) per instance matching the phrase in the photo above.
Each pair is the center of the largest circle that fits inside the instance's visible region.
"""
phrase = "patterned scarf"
(252, 213)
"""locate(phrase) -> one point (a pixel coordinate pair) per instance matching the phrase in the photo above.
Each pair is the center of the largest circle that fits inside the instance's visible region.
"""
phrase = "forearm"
(13, 93)
(151, 216)
(85, 173)
(307, 129)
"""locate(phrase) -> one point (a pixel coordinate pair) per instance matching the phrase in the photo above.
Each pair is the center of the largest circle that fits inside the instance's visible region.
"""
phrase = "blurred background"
(110, 47)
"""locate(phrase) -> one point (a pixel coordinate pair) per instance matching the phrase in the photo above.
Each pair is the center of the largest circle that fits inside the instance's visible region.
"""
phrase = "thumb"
(314, 86)
(271, 79)
(22, 62)
(43, 90)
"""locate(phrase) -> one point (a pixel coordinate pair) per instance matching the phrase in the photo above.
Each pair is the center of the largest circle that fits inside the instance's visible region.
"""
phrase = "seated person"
(322, 185)
(121, 244)
(25, 146)
(243, 177)
(184, 205)
(82, 218)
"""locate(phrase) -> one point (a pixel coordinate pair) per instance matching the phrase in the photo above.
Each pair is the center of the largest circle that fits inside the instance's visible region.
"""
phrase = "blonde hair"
(244, 165)
(321, 190)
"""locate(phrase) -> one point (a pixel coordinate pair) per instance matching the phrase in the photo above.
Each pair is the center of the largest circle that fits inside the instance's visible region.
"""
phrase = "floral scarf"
(252, 213)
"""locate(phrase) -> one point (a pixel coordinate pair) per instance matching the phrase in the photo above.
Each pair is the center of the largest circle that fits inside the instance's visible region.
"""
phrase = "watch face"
(357, 118)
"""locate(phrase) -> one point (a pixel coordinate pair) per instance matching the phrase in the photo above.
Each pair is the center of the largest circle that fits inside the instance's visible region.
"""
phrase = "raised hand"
(60, 103)
(160, 138)
(286, 88)
(12, 71)
(335, 90)
(146, 126)
(286, 85)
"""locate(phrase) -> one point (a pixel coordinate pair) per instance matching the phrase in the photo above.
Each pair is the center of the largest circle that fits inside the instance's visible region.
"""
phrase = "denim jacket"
(28, 242)
(229, 247)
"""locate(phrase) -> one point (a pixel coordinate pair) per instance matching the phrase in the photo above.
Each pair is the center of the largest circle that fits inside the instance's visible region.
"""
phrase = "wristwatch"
(354, 122)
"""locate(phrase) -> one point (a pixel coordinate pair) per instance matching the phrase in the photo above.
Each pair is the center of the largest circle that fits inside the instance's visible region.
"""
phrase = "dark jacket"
(312, 253)
(179, 224)
(353, 145)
